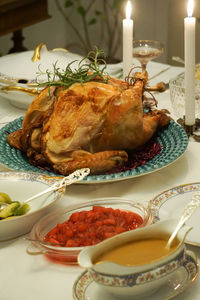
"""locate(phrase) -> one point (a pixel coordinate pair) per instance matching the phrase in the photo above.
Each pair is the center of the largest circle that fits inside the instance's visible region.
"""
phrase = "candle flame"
(128, 10)
(190, 8)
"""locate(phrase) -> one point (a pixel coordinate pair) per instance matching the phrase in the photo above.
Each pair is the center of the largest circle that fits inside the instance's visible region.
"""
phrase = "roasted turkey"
(92, 124)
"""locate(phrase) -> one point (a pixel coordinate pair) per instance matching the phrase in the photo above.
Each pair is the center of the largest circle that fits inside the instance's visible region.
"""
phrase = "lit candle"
(190, 66)
(127, 41)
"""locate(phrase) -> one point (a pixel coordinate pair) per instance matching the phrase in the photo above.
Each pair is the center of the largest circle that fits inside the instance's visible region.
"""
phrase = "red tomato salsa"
(90, 227)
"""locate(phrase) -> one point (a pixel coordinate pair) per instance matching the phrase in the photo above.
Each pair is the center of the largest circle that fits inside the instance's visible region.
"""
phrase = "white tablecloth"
(25, 277)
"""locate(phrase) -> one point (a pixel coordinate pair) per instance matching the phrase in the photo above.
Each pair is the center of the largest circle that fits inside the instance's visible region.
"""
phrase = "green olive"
(22, 209)
(5, 198)
(9, 210)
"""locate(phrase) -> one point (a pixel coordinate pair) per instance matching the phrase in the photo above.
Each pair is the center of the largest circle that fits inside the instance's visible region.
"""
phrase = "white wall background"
(153, 19)
(178, 11)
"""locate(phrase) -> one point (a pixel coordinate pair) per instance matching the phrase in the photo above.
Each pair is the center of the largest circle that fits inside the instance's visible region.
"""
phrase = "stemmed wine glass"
(146, 50)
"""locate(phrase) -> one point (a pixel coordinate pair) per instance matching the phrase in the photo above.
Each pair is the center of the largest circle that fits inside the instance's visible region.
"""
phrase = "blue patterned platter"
(173, 141)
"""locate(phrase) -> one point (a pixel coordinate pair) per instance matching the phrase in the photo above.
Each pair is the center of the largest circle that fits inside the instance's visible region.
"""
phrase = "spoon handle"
(187, 212)
(178, 59)
(72, 178)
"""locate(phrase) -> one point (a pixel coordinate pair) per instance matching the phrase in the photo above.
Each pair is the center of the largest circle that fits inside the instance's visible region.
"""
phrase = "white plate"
(20, 186)
(170, 204)
(86, 289)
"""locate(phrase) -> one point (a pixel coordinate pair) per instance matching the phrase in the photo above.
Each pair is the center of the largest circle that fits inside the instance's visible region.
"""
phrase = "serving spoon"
(70, 179)
(187, 212)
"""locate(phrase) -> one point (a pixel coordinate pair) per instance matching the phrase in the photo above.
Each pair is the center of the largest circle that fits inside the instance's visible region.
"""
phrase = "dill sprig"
(88, 70)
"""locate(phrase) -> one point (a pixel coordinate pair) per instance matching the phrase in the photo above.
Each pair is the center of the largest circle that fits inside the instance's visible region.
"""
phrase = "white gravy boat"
(128, 281)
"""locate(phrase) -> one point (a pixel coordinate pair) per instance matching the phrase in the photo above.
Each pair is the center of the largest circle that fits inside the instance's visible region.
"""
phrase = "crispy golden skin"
(87, 125)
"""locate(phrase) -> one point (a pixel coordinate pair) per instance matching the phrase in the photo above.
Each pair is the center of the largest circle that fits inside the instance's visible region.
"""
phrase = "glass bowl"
(68, 255)
(177, 94)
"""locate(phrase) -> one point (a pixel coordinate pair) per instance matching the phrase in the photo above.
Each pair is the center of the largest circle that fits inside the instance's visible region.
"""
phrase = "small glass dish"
(177, 95)
(68, 255)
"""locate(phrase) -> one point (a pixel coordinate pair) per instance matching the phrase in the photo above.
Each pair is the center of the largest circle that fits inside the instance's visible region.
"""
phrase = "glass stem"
(144, 66)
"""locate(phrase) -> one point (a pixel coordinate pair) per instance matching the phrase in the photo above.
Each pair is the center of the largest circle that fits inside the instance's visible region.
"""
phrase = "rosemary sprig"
(88, 69)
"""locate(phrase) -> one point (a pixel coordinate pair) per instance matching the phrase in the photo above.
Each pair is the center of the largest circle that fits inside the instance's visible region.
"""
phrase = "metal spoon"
(178, 59)
(187, 212)
(72, 178)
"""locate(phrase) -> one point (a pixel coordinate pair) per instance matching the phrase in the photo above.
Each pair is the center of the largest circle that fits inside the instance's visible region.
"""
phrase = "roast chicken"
(92, 124)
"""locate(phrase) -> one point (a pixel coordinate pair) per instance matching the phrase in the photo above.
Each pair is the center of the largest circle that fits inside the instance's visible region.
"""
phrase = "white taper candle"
(127, 41)
(189, 23)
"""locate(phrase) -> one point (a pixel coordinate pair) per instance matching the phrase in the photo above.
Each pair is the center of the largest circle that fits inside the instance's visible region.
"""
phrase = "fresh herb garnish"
(88, 69)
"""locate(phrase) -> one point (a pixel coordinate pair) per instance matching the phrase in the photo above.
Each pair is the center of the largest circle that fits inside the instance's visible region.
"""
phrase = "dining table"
(31, 277)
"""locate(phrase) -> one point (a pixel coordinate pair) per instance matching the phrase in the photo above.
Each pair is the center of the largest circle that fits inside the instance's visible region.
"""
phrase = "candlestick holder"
(191, 130)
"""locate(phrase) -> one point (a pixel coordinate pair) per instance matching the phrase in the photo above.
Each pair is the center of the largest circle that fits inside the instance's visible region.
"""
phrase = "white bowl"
(19, 71)
(134, 281)
(20, 186)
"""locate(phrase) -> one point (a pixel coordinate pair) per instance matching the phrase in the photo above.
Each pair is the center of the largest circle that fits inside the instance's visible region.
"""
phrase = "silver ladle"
(187, 212)
(72, 178)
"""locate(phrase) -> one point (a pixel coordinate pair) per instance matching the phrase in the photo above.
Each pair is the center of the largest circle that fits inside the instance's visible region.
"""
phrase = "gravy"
(139, 252)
